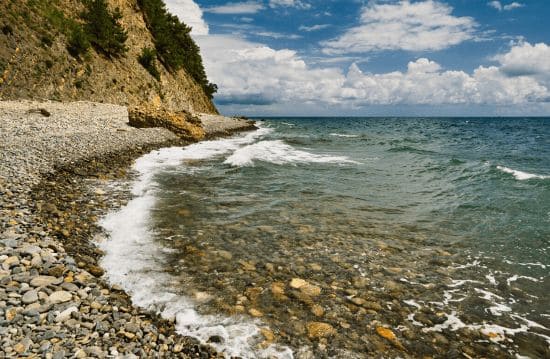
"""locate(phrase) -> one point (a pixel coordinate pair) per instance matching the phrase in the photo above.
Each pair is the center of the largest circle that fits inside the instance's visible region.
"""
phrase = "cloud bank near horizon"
(251, 74)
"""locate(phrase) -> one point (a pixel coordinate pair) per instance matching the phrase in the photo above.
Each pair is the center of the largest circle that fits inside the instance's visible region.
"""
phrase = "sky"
(374, 57)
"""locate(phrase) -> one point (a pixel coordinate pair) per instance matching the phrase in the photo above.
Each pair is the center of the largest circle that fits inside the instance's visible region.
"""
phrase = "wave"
(134, 260)
(520, 175)
(278, 152)
(343, 135)
(411, 150)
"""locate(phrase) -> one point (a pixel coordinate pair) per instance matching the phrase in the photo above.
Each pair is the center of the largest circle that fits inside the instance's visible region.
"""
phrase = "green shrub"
(210, 89)
(174, 44)
(46, 40)
(48, 63)
(103, 28)
(147, 60)
(7, 30)
(78, 42)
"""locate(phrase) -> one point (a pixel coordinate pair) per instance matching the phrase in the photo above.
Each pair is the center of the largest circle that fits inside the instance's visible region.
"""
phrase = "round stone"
(30, 297)
(59, 297)
(43, 281)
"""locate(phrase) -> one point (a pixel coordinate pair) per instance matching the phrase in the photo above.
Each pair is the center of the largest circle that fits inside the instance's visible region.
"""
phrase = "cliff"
(35, 62)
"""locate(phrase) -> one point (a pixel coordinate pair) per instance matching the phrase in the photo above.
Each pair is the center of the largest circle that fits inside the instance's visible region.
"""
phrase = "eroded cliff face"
(35, 62)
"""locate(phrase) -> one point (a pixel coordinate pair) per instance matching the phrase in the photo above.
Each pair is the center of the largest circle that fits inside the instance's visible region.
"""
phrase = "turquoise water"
(441, 225)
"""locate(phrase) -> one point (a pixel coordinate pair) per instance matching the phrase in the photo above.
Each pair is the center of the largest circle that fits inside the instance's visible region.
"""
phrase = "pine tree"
(175, 47)
(103, 28)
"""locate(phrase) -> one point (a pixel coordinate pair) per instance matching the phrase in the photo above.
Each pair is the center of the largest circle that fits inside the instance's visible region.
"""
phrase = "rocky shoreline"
(53, 301)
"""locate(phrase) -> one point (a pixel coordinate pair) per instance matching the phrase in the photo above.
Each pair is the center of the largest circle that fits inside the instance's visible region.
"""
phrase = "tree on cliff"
(175, 47)
(103, 28)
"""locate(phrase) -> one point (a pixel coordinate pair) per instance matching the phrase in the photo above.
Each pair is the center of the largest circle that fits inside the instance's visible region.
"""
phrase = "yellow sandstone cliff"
(35, 62)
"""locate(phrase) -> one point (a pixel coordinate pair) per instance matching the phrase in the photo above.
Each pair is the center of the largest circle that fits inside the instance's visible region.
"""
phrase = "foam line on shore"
(134, 261)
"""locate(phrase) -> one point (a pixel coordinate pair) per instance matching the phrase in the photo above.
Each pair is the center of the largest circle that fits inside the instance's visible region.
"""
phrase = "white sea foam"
(491, 279)
(410, 317)
(278, 152)
(535, 264)
(133, 260)
(520, 175)
(515, 277)
(343, 135)
(461, 282)
(497, 307)
(412, 303)
(494, 332)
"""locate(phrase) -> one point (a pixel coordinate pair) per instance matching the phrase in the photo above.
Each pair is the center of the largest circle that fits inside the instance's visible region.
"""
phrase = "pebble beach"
(53, 300)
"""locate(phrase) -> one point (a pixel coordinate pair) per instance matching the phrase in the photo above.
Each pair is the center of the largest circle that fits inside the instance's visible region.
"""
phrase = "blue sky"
(361, 57)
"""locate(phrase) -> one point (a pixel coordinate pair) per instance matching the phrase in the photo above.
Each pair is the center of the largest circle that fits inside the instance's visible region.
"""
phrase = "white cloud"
(525, 59)
(495, 4)
(289, 3)
(248, 7)
(277, 35)
(313, 27)
(190, 13)
(255, 74)
(252, 75)
(498, 5)
(425, 83)
(418, 26)
(514, 5)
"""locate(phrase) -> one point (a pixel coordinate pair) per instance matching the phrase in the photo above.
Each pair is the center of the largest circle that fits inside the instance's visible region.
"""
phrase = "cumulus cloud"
(190, 13)
(525, 59)
(289, 3)
(498, 5)
(248, 7)
(247, 71)
(426, 83)
(255, 74)
(418, 26)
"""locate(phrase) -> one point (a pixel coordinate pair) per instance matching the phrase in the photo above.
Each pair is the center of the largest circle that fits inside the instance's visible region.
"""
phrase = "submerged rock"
(316, 330)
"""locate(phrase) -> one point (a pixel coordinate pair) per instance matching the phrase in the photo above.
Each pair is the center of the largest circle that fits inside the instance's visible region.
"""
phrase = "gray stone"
(30, 312)
(30, 297)
(45, 347)
(69, 287)
(60, 296)
(30, 250)
(44, 280)
(132, 327)
(66, 314)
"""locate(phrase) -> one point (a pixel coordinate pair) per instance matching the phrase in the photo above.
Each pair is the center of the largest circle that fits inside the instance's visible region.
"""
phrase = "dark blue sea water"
(435, 228)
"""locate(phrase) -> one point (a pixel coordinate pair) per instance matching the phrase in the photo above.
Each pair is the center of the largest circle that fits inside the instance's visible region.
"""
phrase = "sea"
(343, 237)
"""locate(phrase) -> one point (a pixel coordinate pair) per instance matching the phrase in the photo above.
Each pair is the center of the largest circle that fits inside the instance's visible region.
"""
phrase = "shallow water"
(438, 229)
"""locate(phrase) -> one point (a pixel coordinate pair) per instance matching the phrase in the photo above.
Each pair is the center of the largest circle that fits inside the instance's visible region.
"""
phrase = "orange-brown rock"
(390, 336)
(317, 330)
(181, 123)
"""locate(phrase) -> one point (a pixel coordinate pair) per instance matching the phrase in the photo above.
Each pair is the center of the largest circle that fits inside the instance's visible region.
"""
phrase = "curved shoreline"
(53, 302)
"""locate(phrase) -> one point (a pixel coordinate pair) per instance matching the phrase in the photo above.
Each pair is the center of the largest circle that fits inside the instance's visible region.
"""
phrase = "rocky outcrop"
(35, 63)
(182, 123)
